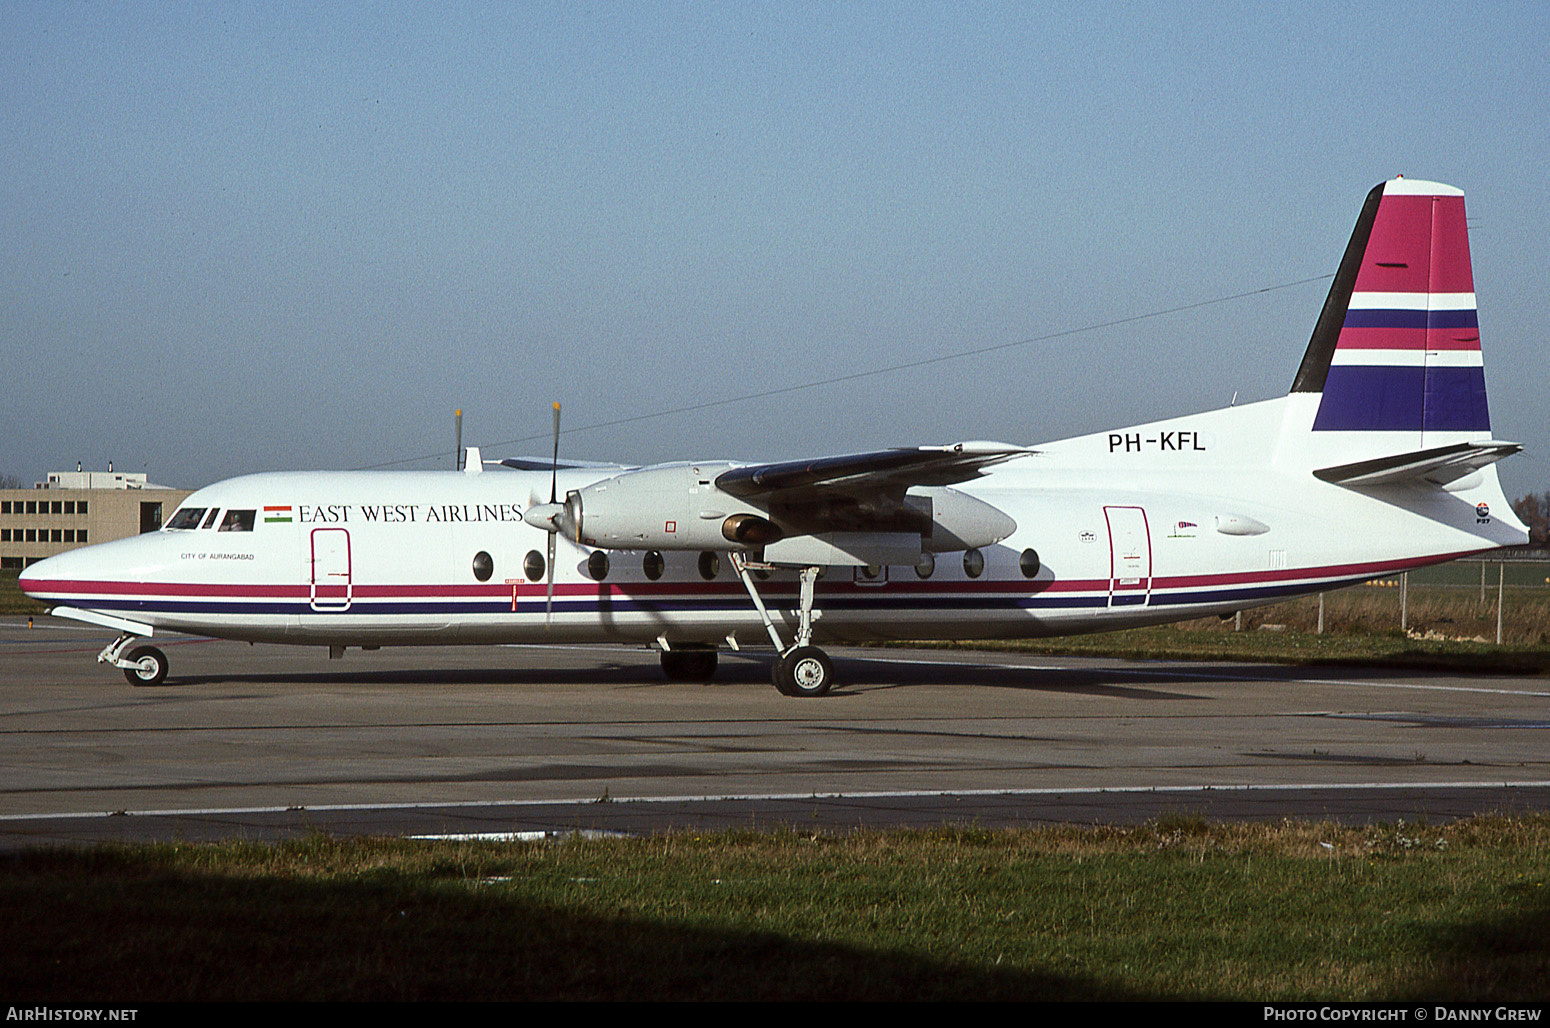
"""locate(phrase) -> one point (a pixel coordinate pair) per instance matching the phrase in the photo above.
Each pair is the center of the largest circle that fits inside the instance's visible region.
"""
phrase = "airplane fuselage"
(1148, 524)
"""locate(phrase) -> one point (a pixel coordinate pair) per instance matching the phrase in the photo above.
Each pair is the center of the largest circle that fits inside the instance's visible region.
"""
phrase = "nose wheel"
(142, 665)
(148, 666)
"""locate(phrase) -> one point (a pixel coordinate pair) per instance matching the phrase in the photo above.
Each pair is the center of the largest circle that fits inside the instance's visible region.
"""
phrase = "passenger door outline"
(1130, 557)
(332, 586)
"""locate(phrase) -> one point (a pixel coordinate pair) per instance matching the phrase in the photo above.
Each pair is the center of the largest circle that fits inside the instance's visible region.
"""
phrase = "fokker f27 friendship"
(1379, 459)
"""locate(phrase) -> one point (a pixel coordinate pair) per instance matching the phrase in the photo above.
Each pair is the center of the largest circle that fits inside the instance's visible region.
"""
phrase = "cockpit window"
(237, 521)
(211, 519)
(186, 518)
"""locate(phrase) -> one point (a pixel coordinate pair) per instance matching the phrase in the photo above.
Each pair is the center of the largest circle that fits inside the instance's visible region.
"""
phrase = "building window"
(57, 507)
(69, 506)
(5, 506)
(56, 536)
(69, 535)
(5, 535)
(32, 506)
(32, 535)
(80, 536)
(80, 506)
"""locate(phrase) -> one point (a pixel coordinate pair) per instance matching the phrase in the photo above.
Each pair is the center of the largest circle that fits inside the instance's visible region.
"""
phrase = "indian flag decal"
(274, 514)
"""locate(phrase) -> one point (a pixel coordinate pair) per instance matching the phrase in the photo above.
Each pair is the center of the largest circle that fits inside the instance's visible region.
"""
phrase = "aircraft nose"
(62, 577)
(37, 579)
(32, 575)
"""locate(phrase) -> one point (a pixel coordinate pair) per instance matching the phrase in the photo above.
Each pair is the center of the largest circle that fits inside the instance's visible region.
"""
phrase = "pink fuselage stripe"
(1368, 569)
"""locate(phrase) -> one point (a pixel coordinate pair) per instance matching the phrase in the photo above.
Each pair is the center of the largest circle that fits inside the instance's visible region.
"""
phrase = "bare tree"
(10, 482)
(1534, 511)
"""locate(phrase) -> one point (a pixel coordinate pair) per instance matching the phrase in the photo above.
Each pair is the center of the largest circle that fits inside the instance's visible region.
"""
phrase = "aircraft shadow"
(180, 935)
(855, 675)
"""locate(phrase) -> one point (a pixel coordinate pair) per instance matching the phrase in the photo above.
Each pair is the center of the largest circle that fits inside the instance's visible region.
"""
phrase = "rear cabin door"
(331, 589)
(1130, 557)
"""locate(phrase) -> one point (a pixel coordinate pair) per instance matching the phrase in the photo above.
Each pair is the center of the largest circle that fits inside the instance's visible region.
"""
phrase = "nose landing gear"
(143, 665)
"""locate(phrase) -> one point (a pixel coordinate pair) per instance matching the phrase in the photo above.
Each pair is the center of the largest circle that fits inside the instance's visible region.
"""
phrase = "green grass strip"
(1177, 909)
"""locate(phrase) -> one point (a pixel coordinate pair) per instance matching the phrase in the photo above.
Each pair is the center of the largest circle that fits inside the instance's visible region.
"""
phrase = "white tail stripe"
(1408, 358)
(1412, 301)
(1418, 187)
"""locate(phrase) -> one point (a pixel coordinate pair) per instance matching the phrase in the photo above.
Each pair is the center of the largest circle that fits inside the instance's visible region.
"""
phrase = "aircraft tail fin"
(1397, 345)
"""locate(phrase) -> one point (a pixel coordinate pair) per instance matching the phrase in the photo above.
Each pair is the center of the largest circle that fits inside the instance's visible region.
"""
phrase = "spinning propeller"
(548, 516)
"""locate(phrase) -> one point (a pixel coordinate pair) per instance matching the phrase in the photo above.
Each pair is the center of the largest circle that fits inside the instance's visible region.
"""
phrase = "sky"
(242, 237)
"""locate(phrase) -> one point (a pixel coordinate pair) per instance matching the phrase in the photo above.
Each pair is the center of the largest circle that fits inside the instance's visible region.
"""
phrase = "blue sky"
(244, 237)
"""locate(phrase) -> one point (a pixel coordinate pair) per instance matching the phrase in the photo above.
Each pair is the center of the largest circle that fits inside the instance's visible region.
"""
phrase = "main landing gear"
(143, 665)
(687, 664)
(802, 669)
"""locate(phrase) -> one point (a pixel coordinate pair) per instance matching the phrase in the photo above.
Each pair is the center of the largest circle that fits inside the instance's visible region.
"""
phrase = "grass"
(1447, 628)
(13, 601)
(1177, 909)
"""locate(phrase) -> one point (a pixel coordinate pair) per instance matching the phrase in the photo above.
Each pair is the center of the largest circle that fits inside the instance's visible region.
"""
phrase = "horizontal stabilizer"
(1439, 465)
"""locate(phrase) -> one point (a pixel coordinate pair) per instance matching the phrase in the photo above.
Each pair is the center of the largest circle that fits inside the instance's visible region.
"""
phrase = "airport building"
(78, 508)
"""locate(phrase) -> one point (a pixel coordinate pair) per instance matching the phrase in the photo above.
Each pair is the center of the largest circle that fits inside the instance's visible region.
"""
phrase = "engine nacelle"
(679, 507)
(667, 507)
(960, 521)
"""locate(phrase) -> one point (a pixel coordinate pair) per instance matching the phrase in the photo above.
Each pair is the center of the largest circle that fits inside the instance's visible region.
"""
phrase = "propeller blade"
(549, 604)
(554, 474)
(554, 469)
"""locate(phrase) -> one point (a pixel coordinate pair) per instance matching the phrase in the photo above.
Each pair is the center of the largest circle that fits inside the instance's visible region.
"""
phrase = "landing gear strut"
(143, 665)
(803, 669)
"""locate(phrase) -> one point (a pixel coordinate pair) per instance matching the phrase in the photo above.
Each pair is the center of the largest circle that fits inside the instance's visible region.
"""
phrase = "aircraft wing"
(1441, 465)
(879, 473)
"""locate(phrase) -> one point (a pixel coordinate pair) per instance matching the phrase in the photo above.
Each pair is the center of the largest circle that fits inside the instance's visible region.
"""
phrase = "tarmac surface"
(269, 742)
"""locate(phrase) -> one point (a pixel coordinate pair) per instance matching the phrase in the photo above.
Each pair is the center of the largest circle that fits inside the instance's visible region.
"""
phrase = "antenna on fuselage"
(457, 439)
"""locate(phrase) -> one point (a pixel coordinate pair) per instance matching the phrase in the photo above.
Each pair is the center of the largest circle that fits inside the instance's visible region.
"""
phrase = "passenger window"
(238, 521)
(973, 563)
(186, 518)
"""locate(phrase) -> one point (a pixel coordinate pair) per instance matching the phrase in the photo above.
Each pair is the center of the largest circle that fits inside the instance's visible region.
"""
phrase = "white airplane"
(1379, 459)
